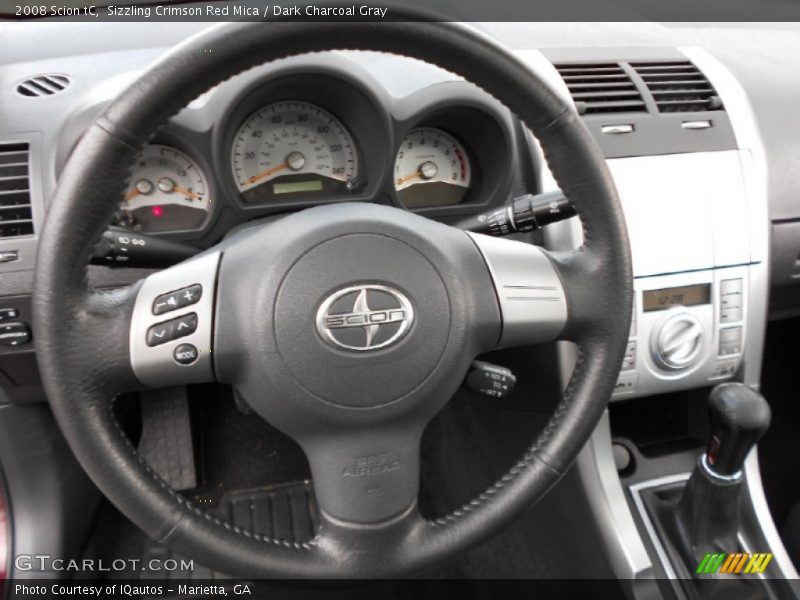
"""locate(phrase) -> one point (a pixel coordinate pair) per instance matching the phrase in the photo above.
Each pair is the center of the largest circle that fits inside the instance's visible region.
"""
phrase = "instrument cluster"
(295, 141)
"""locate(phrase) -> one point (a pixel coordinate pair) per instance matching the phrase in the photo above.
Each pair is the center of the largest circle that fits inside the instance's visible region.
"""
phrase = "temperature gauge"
(167, 191)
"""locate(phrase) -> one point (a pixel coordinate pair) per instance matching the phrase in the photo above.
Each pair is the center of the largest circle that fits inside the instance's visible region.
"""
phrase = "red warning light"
(157, 211)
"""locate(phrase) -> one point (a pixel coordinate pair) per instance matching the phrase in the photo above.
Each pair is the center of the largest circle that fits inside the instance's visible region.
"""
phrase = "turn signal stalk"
(523, 214)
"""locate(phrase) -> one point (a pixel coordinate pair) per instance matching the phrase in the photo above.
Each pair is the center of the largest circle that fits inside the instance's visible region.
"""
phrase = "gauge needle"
(268, 172)
(186, 193)
(134, 192)
(408, 178)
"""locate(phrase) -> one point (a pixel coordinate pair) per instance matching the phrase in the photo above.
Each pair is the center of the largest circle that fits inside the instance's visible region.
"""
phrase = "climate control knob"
(677, 342)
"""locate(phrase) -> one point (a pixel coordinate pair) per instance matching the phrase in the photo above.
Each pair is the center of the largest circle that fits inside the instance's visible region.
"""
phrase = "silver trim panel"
(648, 524)
(532, 301)
(714, 475)
(753, 492)
(627, 554)
(156, 366)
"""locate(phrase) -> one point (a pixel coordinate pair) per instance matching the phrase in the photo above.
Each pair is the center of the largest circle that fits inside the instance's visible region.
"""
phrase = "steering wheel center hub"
(365, 326)
(361, 319)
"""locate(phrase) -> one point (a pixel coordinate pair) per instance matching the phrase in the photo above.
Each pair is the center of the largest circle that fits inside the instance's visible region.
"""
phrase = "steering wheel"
(348, 327)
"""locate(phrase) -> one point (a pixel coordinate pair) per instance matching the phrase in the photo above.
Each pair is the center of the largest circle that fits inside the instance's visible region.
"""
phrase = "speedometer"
(292, 149)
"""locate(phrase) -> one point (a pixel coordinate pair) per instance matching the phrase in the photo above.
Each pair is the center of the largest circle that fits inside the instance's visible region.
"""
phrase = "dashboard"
(368, 127)
(267, 143)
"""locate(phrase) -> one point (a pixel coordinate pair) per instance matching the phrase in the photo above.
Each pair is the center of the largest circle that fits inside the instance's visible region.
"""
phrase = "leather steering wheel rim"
(72, 319)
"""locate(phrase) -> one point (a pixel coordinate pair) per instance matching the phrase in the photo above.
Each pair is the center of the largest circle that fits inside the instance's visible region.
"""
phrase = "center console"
(696, 256)
(681, 143)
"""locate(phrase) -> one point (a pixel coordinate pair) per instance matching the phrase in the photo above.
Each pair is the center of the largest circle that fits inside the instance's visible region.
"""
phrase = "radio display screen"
(690, 295)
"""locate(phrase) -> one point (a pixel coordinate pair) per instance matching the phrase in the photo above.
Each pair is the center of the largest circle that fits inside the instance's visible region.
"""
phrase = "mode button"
(185, 354)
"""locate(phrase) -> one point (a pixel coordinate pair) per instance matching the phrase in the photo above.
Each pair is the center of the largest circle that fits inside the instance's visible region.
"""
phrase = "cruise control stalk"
(120, 248)
(520, 215)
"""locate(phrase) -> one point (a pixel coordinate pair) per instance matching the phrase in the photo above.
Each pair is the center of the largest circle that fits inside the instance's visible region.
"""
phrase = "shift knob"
(739, 416)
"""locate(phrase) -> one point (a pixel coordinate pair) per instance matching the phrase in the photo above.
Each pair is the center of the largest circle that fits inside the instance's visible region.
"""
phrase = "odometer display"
(293, 149)
(297, 186)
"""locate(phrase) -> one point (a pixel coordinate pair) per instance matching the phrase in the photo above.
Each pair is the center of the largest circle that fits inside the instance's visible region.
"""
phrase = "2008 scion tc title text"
(203, 11)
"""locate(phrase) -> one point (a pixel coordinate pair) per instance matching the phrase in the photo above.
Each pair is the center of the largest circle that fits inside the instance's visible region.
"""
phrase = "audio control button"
(167, 331)
(185, 354)
(185, 325)
(160, 334)
(177, 299)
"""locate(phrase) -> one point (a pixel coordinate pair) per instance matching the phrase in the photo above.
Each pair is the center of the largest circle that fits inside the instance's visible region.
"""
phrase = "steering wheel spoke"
(365, 475)
(545, 296)
(171, 330)
(531, 295)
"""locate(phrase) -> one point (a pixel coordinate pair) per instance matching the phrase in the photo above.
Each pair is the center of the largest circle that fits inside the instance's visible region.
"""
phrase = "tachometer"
(431, 169)
(292, 149)
(167, 191)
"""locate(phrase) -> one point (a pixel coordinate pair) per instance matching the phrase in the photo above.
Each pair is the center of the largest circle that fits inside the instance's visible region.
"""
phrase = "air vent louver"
(43, 85)
(16, 216)
(678, 86)
(601, 88)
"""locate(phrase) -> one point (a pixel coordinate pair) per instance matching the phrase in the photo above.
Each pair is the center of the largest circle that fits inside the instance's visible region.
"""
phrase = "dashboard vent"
(601, 88)
(678, 86)
(43, 85)
(16, 215)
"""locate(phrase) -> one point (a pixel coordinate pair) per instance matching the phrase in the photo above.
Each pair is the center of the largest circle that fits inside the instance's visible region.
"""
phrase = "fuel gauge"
(167, 191)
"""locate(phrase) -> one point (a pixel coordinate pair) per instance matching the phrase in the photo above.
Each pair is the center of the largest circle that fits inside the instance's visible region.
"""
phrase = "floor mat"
(466, 448)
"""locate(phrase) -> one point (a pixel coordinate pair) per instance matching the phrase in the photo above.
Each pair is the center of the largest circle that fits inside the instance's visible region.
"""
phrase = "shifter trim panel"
(636, 491)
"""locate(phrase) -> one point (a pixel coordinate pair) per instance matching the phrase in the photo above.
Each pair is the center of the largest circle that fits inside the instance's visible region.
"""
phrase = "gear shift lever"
(708, 513)
(705, 516)
(739, 416)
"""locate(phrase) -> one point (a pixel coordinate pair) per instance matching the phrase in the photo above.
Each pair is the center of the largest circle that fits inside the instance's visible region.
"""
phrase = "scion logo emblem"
(364, 317)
